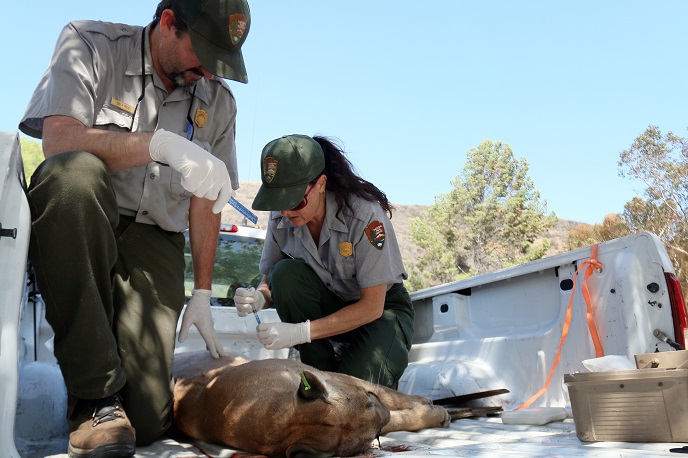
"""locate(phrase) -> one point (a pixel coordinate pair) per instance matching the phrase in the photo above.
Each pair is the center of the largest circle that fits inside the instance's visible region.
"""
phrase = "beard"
(186, 77)
(180, 76)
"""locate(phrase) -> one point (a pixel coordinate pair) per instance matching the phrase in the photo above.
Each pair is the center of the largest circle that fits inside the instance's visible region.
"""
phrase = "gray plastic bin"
(642, 405)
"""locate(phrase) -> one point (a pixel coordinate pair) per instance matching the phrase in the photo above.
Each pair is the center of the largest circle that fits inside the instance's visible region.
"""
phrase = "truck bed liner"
(475, 437)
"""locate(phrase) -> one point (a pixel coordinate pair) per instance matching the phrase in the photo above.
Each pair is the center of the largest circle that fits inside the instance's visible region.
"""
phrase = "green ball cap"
(287, 165)
(218, 29)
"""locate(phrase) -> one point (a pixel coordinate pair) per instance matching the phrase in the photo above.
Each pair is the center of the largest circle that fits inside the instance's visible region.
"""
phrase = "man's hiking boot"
(99, 428)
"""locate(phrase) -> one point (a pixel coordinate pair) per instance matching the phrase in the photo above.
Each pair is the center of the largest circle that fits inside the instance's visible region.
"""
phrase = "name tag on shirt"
(122, 106)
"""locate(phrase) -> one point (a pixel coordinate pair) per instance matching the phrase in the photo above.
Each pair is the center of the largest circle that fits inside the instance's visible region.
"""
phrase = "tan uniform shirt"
(95, 78)
(360, 252)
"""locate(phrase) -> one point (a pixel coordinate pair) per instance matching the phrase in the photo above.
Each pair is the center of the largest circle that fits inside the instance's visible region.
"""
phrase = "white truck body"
(493, 331)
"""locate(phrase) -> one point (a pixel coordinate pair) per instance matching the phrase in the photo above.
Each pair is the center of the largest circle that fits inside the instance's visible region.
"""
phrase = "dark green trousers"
(376, 352)
(113, 290)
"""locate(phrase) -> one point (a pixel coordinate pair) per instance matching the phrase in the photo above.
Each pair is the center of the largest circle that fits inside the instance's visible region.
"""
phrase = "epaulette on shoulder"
(111, 30)
(221, 82)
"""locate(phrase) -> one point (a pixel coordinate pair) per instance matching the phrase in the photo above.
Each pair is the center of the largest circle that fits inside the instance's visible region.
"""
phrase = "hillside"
(401, 219)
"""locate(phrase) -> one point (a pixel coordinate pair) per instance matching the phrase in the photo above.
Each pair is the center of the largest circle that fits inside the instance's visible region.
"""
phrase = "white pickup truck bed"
(460, 348)
(475, 437)
(485, 436)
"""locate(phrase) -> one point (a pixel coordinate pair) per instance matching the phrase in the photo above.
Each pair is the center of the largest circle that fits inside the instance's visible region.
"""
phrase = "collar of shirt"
(332, 223)
(134, 64)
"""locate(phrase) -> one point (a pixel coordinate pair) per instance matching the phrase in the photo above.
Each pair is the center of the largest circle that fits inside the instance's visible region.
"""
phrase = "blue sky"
(410, 87)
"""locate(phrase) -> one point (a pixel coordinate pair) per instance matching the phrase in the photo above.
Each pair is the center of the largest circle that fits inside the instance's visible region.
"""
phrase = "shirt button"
(327, 284)
(152, 176)
(145, 212)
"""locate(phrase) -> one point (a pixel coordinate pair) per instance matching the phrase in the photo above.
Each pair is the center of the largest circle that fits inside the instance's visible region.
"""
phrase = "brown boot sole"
(117, 450)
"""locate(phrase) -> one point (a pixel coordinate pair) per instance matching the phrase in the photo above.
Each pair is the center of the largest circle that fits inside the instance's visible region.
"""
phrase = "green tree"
(438, 237)
(491, 218)
(612, 227)
(32, 155)
(661, 163)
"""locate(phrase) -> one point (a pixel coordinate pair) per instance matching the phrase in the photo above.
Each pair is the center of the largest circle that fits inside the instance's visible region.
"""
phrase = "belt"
(397, 287)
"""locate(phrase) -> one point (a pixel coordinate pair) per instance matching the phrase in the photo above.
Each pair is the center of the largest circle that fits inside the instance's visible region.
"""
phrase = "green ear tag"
(306, 385)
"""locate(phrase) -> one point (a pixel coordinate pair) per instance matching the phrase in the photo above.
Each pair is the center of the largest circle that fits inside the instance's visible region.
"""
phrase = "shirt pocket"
(110, 118)
(344, 269)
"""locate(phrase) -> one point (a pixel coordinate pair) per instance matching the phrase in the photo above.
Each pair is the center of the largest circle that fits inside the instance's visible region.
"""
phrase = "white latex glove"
(275, 336)
(203, 174)
(245, 299)
(198, 313)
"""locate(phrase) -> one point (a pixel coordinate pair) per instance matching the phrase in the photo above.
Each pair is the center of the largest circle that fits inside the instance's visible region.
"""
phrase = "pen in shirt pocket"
(189, 130)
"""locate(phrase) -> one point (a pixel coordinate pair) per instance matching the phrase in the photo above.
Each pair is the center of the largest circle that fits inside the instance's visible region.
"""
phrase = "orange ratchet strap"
(590, 265)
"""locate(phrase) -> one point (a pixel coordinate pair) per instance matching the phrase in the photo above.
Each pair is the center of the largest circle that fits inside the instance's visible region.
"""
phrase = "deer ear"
(311, 387)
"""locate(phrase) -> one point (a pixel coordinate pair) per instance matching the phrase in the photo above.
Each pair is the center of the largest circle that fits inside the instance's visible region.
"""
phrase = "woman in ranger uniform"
(331, 264)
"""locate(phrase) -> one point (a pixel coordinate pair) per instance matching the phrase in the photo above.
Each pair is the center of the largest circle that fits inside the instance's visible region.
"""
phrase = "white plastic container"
(534, 416)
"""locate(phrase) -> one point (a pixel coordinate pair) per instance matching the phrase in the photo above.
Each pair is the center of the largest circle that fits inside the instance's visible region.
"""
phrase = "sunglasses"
(304, 202)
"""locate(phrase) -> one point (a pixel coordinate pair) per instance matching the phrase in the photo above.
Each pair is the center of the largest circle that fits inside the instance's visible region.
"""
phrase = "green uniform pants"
(376, 352)
(113, 290)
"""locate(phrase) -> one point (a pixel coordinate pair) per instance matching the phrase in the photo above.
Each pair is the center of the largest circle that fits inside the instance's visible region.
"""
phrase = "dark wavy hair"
(342, 179)
(179, 24)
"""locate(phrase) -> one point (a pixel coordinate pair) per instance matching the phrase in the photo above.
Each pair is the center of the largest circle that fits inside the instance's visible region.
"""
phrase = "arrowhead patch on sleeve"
(376, 234)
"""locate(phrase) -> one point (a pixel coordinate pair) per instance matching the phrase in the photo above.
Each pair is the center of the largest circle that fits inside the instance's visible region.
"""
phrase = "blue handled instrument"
(243, 210)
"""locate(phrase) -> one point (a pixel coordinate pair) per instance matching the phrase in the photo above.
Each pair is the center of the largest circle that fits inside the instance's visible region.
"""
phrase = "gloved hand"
(198, 313)
(245, 299)
(275, 336)
(203, 174)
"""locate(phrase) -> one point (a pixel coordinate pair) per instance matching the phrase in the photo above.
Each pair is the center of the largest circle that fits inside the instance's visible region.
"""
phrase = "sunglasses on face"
(304, 202)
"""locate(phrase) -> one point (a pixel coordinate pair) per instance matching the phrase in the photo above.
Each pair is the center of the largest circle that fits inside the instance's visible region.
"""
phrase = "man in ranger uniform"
(138, 132)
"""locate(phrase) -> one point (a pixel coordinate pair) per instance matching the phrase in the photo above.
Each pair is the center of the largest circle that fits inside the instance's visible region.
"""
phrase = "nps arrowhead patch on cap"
(237, 27)
(269, 168)
(376, 234)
